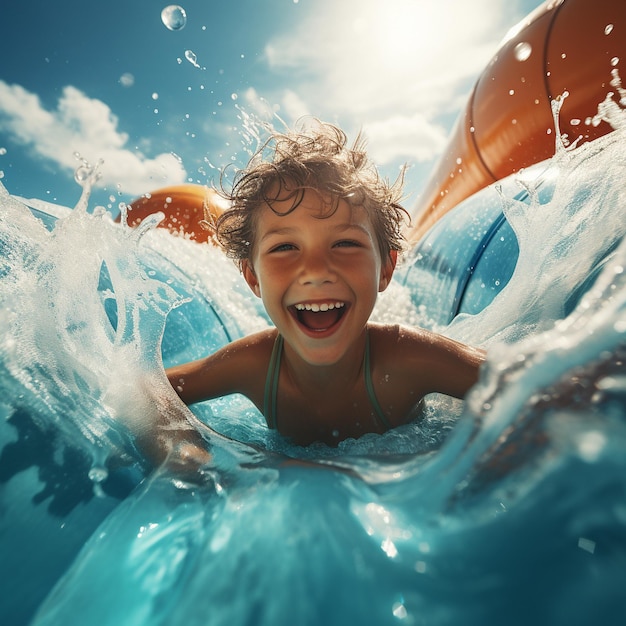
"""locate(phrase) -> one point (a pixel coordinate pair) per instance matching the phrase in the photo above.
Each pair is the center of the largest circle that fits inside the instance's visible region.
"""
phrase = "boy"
(316, 233)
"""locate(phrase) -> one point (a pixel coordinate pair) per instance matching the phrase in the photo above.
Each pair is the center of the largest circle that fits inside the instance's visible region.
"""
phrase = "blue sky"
(108, 81)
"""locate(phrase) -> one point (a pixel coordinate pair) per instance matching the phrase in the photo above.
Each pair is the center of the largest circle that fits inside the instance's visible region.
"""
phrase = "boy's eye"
(283, 247)
(347, 243)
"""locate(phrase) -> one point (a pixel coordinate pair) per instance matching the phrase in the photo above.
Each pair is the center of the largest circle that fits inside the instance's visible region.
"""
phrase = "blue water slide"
(470, 254)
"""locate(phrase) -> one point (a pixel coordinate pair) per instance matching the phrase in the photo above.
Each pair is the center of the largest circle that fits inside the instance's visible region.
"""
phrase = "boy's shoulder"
(408, 345)
(262, 341)
(399, 333)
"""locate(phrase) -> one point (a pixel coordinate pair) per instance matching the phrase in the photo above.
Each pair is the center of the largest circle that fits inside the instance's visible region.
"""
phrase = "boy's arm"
(455, 366)
(239, 367)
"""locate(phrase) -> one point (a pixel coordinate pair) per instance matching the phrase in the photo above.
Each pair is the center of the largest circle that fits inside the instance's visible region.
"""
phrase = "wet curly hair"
(316, 157)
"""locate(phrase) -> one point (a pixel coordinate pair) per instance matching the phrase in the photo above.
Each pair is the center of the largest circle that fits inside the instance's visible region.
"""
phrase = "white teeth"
(319, 307)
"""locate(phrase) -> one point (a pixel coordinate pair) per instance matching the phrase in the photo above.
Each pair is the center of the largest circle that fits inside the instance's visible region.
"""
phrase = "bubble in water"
(522, 51)
(608, 29)
(3, 151)
(174, 17)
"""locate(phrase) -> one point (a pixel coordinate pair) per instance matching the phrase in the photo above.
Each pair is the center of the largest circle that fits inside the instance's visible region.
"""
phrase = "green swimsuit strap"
(273, 374)
(271, 383)
(369, 386)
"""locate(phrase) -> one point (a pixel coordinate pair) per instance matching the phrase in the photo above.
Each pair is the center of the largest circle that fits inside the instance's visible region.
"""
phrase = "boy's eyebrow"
(277, 231)
(287, 230)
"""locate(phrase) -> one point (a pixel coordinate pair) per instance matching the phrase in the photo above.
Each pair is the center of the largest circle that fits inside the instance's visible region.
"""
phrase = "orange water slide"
(184, 207)
(507, 124)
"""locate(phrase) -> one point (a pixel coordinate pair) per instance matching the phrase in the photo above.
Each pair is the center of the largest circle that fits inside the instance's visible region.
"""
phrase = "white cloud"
(88, 127)
(382, 65)
(293, 106)
(406, 137)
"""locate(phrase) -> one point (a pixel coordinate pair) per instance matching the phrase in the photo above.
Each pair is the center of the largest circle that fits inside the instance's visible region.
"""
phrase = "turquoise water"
(508, 509)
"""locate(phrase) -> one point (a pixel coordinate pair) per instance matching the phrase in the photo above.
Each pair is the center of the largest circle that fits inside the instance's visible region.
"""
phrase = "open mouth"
(318, 317)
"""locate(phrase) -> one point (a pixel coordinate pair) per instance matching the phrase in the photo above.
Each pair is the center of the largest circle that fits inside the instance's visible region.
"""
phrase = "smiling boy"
(316, 233)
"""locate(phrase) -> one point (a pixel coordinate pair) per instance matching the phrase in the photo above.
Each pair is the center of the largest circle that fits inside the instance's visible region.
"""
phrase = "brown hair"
(314, 158)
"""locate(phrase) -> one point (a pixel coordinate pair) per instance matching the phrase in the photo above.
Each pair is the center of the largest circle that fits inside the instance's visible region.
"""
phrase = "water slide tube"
(507, 124)
(184, 207)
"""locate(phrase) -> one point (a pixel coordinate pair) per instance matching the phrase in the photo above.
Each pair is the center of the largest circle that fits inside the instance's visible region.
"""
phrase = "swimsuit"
(270, 398)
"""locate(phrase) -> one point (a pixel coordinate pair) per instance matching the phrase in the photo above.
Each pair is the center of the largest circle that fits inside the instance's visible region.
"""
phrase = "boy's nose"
(316, 269)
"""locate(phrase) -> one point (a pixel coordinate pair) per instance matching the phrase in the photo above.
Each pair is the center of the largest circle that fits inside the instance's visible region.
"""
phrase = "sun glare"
(400, 34)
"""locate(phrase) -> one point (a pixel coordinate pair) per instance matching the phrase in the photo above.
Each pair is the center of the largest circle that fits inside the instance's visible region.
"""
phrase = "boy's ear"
(250, 277)
(386, 271)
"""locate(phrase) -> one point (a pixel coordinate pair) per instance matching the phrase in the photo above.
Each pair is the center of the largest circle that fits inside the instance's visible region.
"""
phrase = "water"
(508, 510)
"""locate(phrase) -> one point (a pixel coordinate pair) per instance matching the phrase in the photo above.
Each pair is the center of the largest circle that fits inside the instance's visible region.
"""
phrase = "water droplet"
(614, 61)
(608, 28)
(82, 173)
(3, 151)
(233, 96)
(190, 55)
(98, 474)
(511, 92)
(522, 51)
(174, 17)
(399, 610)
(155, 96)
(127, 80)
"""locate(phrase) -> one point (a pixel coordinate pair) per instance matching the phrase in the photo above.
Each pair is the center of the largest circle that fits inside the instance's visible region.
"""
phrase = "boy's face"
(318, 274)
